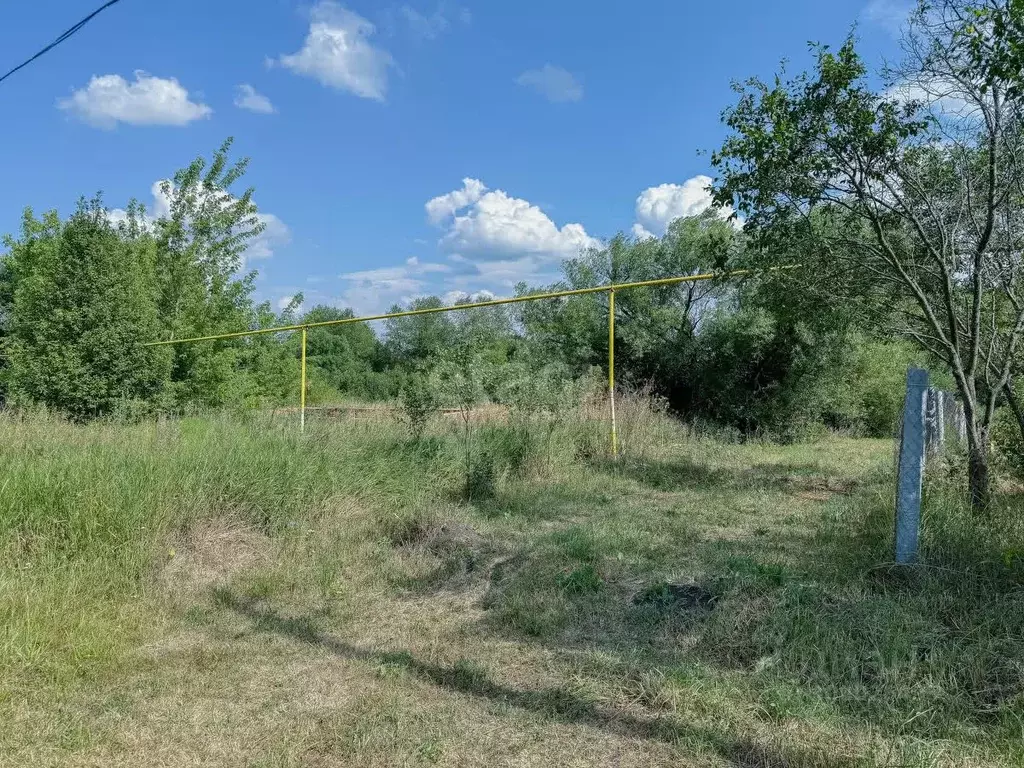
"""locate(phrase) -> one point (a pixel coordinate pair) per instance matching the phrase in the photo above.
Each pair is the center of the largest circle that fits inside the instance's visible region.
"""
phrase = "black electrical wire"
(61, 38)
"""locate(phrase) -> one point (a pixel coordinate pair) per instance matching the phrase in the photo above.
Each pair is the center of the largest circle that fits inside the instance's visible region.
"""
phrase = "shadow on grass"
(557, 500)
(553, 702)
(832, 618)
(687, 475)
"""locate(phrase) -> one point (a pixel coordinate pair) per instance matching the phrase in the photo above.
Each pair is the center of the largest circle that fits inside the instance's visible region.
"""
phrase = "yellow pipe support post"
(611, 369)
(302, 393)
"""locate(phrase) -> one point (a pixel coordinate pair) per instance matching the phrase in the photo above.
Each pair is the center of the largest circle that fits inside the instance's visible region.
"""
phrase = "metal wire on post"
(611, 369)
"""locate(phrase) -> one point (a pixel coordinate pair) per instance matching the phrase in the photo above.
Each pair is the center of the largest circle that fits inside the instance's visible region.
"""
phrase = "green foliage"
(459, 378)
(418, 403)
(873, 187)
(82, 305)
(736, 355)
(746, 362)
(875, 382)
(200, 246)
(656, 327)
(995, 39)
(1007, 444)
(81, 297)
(761, 374)
(757, 357)
(420, 338)
(349, 357)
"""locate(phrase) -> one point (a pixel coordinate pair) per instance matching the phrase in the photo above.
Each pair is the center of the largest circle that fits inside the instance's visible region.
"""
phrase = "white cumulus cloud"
(110, 99)
(249, 98)
(338, 53)
(275, 232)
(657, 207)
(494, 241)
(443, 206)
(492, 224)
(553, 83)
(640, 232)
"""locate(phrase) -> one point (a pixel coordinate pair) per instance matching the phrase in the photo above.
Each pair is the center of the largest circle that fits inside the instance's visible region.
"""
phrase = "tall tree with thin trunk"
(907, 201)
(201, 240)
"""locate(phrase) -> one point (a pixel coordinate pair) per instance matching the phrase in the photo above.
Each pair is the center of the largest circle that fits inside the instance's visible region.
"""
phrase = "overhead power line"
(61, 38)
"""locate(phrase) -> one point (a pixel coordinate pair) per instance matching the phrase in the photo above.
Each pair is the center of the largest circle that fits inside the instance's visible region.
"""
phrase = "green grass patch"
(210, 592)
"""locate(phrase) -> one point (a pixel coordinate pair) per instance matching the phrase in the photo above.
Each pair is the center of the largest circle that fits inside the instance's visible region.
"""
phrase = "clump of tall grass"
(87, 511)
(642, 426)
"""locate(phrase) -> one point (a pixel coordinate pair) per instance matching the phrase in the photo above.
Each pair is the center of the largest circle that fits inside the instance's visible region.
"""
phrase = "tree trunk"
(978, 485)
(977, 469)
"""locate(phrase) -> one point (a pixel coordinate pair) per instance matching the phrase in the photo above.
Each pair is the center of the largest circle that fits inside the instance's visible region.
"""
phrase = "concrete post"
(911, 467)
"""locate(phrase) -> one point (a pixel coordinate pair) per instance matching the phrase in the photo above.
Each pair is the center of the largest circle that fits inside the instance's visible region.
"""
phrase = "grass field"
(214, 592)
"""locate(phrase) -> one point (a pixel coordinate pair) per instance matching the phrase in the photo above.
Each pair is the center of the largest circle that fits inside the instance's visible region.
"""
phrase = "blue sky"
(408, 148)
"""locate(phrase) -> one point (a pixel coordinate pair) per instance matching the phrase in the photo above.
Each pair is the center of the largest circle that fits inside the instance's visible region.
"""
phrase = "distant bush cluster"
(81, 296)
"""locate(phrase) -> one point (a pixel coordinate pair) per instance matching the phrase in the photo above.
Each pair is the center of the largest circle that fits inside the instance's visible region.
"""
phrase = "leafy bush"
(1007, 443)
(82, 307)
(865, 394)
(418, 403)
(481, 478)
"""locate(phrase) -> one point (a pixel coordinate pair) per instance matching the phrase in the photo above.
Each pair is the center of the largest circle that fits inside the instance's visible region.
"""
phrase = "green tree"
(266, 366)
(657, 326)
(200, 245)
(905, 207)
(350, 357)
(428, 343)
(416, 340)
(994, 32)
(82, 304)
(756, 373)
(487, 335)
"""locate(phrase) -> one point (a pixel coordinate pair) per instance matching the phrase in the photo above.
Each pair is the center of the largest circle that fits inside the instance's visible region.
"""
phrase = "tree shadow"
(687, 475)
(659, 475)
(547, 501)
(554, 702)
(837, 600)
